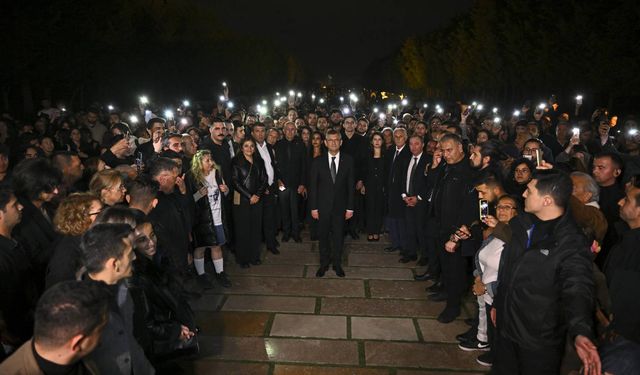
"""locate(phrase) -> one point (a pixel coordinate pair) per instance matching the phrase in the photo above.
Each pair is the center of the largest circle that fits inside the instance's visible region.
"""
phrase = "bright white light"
(342, 99)
(425, 105)
(390, 106)
(440, 110)
(313, 97)
(321, 100)
(292, 93)
(474, 104)
(283, 99)
(144, 99)
(276, 103)
(184, 121)
(395, 106)
(576, 131)
(353, 97)
(299, 95)
(382, 116)
(264, 102)
(542, 106)
(230, 105)
(633, 131)
(222, 98)
(133, 119)
(110, 107)
(375, 109)
(516, 113)
(224, 84)
(63, 109)
(346, 110)
(168, 114)
(405, 102)
(480, 107)
(497, 120)
(395, 122)
(579, 97)
(186, 103)
(495, 110)
(277, 93)
(262, 110)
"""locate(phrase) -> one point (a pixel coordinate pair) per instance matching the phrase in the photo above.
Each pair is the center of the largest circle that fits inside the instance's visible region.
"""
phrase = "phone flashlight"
(184, 121)
(230, 105)
(516, 113)
(542, 106)
(483, 205)
(291, 93)
(168, 114)
(405, 102)
(299, 95)
(224, 84)
(133, 119)
(341, 99)
(633, 132)
(264, 102)
(144, 100)
(346, 110)
(186, 103)
(321, 100)
(375, 109)
(425, 105)
(110, 107)
(382, 116)
(495, 110)
(276, 103)
(222, 98)
(576, 131)
(63, 109)
(497, 120)
(480, 107)
(440, 110)
(313, 97)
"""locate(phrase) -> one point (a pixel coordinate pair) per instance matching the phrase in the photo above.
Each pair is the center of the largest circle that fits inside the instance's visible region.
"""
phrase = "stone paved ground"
(278, 318)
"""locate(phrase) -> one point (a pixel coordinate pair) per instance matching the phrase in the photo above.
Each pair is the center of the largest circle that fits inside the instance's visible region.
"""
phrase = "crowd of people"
(110, 226)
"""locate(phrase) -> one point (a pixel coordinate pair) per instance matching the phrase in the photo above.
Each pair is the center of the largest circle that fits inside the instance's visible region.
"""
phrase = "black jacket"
(545, 284)
(204, 233)
(248, 178)
(220, 154)
(65, 262)
(172, 225)
(327, 196)
(418, 180)
(393, 171)
(291, 158)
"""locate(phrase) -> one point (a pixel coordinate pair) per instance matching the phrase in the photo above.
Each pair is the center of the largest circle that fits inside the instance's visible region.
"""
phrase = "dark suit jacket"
(291, 158)
(418, 180)
(324, 195)
(274, 165)
(394, 170)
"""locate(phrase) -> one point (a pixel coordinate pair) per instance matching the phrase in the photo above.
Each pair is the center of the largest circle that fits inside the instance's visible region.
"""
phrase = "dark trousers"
(397, 231)
(431, 241)
(512, 359)
(454, 275)
(416, 241)
(289, 210)
(330, 234)
(247, 220)
(269, 207)
(356, 223)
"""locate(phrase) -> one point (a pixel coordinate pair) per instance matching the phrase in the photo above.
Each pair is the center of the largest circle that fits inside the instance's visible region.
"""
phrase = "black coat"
(356, 147)
(274, 165)
(324, 195)
(220, 154)
(418, 180)
(394, 170)
(172, 226)
(291, 157)
(545, 284)
(248, 178)
(65, 262)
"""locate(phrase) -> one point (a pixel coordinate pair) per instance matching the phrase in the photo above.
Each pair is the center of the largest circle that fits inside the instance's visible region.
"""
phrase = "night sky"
(338, 38)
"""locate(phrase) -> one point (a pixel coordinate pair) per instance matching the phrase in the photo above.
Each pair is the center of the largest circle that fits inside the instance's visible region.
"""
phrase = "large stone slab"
(233, 348)
(381, 307)
(270, 303)
(434, 331)
(209, 367)
(421, 355)
(208, 302)
(398, 289)
(299, 287)
(370, 273)
(428, 372)
(377, 260)
(383, 329)
(318, 326)
(295, 257)
(232, 323)
(277, 270)
(324, 370)
(336, 352)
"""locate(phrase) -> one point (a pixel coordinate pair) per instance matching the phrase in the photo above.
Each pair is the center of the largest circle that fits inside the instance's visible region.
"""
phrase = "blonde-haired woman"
(74, 216)
(108, 185)
(206, 183)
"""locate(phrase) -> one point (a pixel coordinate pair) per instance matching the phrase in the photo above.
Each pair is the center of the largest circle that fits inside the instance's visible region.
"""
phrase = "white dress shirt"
(264, 152)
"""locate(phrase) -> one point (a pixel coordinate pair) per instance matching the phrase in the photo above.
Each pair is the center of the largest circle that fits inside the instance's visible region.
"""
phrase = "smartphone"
(538, 158)
(139, 162)
(576, 131)
(484, 208)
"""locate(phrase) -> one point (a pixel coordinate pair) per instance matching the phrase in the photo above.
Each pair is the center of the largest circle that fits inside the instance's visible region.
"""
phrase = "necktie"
(396, 155)
(334, 171)
(413, 170)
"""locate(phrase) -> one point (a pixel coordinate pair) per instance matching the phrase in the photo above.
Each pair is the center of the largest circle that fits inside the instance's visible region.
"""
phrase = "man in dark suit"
(331, 191)
(415, 191)
(397, 159)
(265, 152)
(291, 159)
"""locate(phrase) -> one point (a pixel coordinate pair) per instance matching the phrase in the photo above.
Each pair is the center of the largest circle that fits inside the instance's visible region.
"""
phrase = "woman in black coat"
(373, 188)
(249, 179)
(209, 230)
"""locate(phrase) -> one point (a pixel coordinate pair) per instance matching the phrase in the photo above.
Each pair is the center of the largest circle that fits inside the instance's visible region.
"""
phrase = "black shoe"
(485, 359)
(274, 251)
(467, 336)
(407, 259)
(438, 297)
(256, 262)
(472, 345)
(390, 249)
(223, 279)
(436, 288)
(297, 239)
(425, 276)
(285, 238)
(339, 271)
(422, 262)
(321, 271)
(244, 265)
(448, 315)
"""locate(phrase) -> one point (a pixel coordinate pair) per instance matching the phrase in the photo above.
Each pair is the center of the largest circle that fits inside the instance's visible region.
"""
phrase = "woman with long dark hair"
(373, 188)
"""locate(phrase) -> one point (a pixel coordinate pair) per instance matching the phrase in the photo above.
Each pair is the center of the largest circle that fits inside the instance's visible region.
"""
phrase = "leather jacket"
(248, 179)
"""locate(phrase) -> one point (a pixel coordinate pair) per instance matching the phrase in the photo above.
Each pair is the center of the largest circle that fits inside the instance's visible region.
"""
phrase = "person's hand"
(359, 185)
(479, 288)
(492, 314)
(186, 333)
(411, 201)
(588, 354)
(156, 138)
(490, 220)
(315, 214)
(463, 233)
(223, 188)
(450, 246)
(203, 191)
(544, 165)
(254, 199)
(437, 158)
(181, 185)
(120, 147)
(301, 189)
(363, 191)
(575, 140)
(348, 214)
